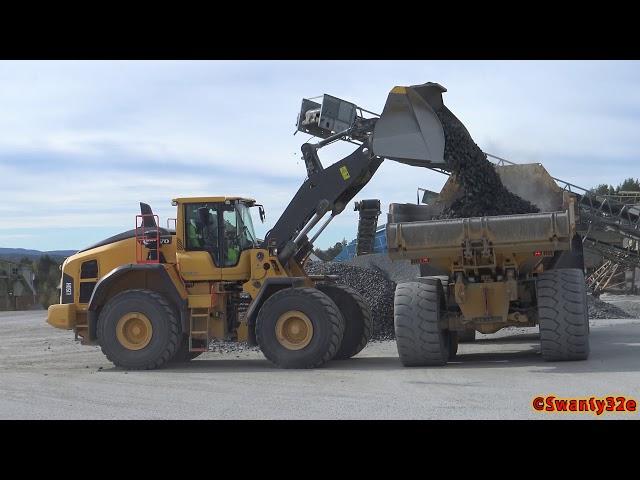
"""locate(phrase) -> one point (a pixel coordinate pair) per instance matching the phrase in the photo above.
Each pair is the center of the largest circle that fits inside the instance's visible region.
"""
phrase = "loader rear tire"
(420, 337)
(138, 330)
(358, 324)
(183, 354)
(299, 328)
(563, 315)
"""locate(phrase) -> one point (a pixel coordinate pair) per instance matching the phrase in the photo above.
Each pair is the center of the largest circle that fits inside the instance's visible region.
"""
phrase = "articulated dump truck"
(486, 273)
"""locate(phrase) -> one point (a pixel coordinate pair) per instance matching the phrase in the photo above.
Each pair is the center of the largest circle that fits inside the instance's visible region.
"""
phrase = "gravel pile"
(222, 346)
(603, 310)
(483, 192)
(628, 303)
(372, 283)
(398, 271)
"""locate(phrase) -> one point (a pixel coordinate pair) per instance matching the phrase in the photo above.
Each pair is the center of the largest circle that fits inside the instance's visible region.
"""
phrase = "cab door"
(198, 252)
(235, 255)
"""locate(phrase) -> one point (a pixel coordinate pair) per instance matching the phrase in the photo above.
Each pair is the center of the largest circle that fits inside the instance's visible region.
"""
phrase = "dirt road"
(45, 374)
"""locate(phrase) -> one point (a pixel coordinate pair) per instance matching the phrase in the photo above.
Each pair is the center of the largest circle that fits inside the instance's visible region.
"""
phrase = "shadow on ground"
(516, 338)
(610, 352)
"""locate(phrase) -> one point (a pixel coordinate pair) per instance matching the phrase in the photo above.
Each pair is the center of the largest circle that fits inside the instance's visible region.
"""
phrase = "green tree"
(331, 252)
(604, 189)
(26, 261)
(629, 185)
(47, 280)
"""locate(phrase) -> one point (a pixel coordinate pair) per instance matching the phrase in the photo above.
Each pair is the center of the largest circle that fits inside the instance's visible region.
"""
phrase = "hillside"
(16, 254)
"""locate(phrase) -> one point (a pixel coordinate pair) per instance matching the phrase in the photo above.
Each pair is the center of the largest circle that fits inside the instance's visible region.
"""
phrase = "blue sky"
(81, 143)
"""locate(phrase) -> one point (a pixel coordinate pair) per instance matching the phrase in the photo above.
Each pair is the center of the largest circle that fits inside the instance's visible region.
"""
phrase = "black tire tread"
(336, 322)
(563, 315)
(348, 351)
(416, 314)
(174, 330)
(183, 354)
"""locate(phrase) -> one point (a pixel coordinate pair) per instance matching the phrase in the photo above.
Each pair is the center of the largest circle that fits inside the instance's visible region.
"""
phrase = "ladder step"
(199, 332)
(193, 315)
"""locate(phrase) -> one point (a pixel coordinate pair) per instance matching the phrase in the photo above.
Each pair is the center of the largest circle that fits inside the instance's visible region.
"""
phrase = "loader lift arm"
(325, 190)
(408, 131)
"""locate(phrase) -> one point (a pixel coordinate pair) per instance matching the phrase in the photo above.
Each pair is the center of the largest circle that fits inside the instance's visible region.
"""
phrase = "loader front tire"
(357, 319)
(417, 313)
(299, 328)
(563, 315)
(138, 330)
(183, 354)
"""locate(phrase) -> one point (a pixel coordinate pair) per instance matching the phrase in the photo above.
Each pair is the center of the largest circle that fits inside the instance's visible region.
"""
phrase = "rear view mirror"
(261, 213)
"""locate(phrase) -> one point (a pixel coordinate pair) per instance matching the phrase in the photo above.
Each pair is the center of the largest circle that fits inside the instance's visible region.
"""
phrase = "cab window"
(201, 229)
(224, 230)
(231, 250)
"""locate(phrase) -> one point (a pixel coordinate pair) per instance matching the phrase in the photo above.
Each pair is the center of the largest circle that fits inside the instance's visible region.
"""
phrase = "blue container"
(379, 246)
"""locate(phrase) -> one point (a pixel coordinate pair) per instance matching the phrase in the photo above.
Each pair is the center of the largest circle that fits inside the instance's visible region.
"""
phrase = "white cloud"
(83, 142)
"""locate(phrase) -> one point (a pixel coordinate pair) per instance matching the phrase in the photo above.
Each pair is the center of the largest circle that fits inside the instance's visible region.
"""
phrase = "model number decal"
(67, 289)
(163, 241)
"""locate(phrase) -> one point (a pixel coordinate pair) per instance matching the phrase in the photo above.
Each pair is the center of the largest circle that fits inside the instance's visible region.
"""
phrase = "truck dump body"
(419, 232)
(508, 234)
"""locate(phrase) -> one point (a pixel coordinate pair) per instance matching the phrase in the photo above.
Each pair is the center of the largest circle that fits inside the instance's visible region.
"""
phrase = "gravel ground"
(219, 346)
(44, 374)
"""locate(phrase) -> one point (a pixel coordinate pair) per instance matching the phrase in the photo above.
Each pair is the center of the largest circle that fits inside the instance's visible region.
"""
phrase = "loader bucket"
(409, 131)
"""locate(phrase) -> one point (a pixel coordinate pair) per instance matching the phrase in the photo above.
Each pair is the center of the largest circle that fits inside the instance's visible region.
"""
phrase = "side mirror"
(203, 215)
(261, 212)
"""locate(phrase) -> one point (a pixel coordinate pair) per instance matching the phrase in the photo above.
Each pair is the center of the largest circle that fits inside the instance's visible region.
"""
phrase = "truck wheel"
(417, 311)
(183, 354)
(358, 325)
(563, 315)
(467, 336)
(299, 328)
(137, 329)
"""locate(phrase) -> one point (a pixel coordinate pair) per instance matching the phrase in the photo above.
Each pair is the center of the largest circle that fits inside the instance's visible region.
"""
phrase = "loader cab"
(212, 235)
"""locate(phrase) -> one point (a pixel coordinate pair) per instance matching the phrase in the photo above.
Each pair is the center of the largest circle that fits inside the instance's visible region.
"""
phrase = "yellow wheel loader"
(152, 295)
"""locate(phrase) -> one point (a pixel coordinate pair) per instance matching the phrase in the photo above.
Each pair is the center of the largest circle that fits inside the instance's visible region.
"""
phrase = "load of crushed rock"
(483, 193)
(603, 310)
(374, 286)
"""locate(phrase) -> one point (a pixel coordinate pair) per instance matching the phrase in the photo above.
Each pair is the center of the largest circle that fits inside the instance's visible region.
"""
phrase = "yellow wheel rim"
(294, 330)
(134, 331)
